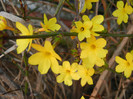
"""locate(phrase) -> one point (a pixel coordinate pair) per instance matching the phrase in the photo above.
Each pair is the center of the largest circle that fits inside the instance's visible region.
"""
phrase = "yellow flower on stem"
(45, 58)
(125, 66)
(68, 73)
(122, 12)
(83, 29)
(85, 74)
(96, 21)
(23, 43)
(92, 52)
(3, 24)
(88, 5)
(49, 25)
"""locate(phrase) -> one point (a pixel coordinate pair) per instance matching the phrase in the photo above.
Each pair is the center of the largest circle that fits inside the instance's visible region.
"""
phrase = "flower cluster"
(92, 48)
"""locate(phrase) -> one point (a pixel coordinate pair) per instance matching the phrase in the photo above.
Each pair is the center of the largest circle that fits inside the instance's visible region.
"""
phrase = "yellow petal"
(127, 73)
(120, 68)
(60, 78)
(52, 21)
(44, 66)
(30, 42)
(35, 58)
(97, 28)
(120, 4)
(38, 47)
(54, 27)
(84, 53)
(89, 80)
(54, 65)
(80, 37)
(119, 20)
(75, 76)
(84, 9)
(68, 80)
(91, 71)
(91, 39)
(87, 24)
(88, 5)
(30, 29)
(45, 19)
(100, 42)
(48, 46)
(88, 63)
(116, 13)
(99, 62)
(66, 65)
(97, 19)
(129, 57)
(119, 60)
(22, 45)
(83, 81)
(125, 18)
(85, 18)
(22, 28)
(78, 24)
(128, 9)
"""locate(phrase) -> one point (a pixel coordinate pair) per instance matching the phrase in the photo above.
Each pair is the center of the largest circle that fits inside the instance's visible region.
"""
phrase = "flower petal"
(22, 28)
(83, 81)
(68, 80)
(35, 58)
(120, 4)
(55, 65)
(60, 78)
(89, 80)
(45, 19)
(85, 18)
(100, 42)
(44, 66)
(97, 19)
(97, 28)
(120, 68)
(38, 47)
(22, 45)
(128, 9)
(120, 60)
(30, 29)
(66, 65)
(127, 72)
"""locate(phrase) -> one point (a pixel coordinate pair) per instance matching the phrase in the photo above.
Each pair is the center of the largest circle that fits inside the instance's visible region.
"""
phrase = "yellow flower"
(3, 24)
(96, 21)
(45, 58)
(125, 66)
(67, 73)
(131, 1)
(82, 97)
(88, 5)
(49, 25)
(85, 74)
(122, 12)
(92, 52)
(23, 43)
(83, 29)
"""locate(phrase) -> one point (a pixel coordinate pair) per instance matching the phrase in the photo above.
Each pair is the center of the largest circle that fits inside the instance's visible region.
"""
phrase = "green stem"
(61, 33)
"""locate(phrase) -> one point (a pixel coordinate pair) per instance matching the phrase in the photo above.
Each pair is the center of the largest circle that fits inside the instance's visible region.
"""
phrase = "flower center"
(68, 71)
(93, 46)
(128, 64)
(82, 29)
(47, 53)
